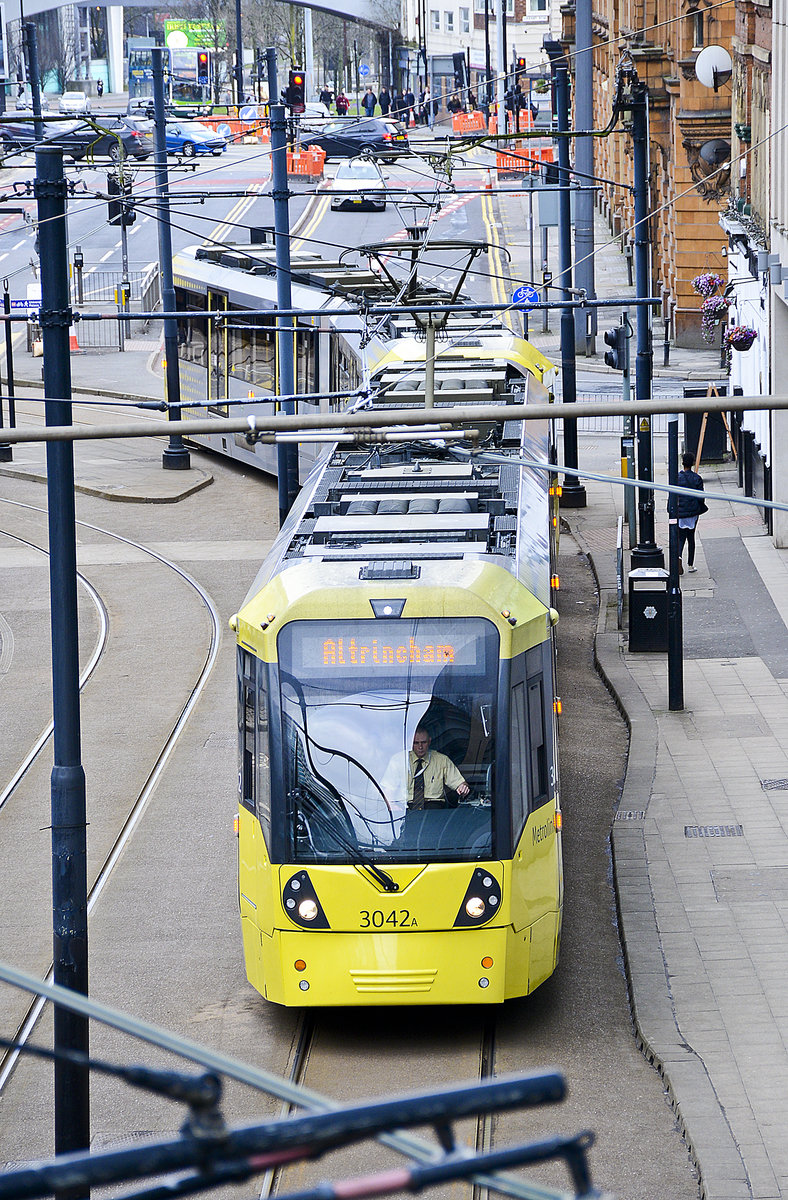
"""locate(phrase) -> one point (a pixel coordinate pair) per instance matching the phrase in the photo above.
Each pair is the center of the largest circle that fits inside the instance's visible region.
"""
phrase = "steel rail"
(408, 1144)
(8, 1061)
(98, 650)
(450, 416)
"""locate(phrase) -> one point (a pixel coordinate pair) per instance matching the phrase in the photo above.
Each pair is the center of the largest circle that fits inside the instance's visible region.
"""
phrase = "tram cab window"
(352, 695)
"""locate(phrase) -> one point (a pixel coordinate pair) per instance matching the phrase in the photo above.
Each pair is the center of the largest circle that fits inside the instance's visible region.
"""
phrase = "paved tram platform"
(700, 840)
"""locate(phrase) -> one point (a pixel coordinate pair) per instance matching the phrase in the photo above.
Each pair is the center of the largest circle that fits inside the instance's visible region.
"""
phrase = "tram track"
(35, 1007)
(314, 1059)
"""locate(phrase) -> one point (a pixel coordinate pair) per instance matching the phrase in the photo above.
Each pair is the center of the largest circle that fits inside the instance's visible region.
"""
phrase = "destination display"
(385, 647)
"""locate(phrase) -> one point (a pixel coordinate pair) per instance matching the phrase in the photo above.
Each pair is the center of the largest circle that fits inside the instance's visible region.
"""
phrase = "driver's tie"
(418, 784)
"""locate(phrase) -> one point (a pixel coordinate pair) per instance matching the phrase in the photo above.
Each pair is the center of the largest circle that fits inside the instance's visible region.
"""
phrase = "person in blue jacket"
(690, 508)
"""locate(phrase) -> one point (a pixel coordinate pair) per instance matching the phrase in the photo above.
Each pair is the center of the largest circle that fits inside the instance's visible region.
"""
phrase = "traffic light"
(296, 92)
(520, 64)
(618, 356)
(120, 211)
(203, 67)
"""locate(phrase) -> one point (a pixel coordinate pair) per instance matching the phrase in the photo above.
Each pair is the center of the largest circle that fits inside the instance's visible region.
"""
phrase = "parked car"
(359, 184)
(191, 137)
(114, 140)
(74, 102)
(346, 137)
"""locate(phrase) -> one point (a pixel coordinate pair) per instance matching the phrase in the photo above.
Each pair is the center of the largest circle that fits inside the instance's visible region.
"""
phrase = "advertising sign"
(180, 34)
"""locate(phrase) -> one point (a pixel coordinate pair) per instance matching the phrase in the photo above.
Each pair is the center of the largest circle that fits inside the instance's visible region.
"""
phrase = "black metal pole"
(647, 553)
(69, 828)
(35, 84)
(6, 449)
(675, 622)
(270, 68)
(239, 56)
(287, 455)
(9, 358)
(175, 456)
(573, 494)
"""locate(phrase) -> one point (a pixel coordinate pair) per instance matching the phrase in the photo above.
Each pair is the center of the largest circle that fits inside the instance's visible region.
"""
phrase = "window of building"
(448, 22)
(435, 20)
(537, 8)
(465, 20)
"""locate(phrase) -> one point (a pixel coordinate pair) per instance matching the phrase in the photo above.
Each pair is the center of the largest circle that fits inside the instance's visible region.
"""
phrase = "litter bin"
(648, 609)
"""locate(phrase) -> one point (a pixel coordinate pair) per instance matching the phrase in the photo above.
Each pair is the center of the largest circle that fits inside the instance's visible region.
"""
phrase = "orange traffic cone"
(73, 344)
(488, 187)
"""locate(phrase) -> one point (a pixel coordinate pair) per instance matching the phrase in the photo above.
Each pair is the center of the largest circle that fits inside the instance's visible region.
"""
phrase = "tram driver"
(429, 772)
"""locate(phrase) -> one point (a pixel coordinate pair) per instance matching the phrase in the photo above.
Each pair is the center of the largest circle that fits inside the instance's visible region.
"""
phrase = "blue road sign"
(526, 295)
(363, 70)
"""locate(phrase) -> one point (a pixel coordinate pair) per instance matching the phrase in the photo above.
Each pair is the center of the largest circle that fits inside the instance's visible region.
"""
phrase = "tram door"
(217, 356)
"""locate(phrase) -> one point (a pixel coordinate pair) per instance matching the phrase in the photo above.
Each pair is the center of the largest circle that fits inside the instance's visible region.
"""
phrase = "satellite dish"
(713, 66)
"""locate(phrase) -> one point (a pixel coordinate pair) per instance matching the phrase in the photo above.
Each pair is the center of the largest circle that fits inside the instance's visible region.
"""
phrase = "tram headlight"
(481, 901)
(308, 910)
(301, 903)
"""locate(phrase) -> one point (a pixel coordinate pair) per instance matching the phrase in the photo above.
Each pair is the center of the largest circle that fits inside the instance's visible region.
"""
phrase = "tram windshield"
(388, 739)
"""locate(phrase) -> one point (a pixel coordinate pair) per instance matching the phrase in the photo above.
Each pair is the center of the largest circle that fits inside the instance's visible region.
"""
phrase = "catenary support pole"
(175, 457)
(68, 815)
(647, 553)
(585, 322)
(573, 494)
(35, 84)
(270, 70)
(287, 456)
(9, 357)
(675, 620)
(239, 56)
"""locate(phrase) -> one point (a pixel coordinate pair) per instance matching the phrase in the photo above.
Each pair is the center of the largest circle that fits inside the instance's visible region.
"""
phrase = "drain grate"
(707, 831)
(630, 814)
(774, 785)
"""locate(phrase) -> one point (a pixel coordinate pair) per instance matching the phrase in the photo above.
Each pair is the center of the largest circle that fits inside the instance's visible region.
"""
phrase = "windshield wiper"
(352, 849)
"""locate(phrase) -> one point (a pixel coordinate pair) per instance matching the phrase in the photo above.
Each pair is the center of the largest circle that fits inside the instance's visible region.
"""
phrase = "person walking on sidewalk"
(690, 508)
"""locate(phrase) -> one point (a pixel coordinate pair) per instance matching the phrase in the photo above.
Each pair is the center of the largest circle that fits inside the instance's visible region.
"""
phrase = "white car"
(74, 102)
(359, 184)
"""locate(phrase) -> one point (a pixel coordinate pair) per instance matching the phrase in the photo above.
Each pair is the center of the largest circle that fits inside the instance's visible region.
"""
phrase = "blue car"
(190, 137)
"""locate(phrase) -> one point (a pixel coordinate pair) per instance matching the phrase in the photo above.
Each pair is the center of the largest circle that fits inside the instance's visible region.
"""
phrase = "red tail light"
(386, 137)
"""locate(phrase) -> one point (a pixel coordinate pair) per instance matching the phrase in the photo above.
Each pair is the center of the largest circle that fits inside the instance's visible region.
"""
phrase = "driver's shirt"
(437, 771)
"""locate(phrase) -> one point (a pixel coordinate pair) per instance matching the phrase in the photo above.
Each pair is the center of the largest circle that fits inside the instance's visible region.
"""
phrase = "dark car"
(114, 139)
(346, 137)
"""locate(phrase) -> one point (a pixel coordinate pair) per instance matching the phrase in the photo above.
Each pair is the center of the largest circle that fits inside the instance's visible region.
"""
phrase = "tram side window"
(518, 758)
(306, 361)
(538, 746)
(251, 350)
(344, 371)
(246, 729)
(254, 775)
(192, 332)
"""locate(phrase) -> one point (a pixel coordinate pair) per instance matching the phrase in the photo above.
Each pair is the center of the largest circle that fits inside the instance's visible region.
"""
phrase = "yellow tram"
(400, 821)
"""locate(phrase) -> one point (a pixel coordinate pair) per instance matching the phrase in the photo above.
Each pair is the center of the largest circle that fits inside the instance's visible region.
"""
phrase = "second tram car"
(402, 629)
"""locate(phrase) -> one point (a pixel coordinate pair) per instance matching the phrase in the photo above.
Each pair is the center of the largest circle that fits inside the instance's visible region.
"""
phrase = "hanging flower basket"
(740, 337)
(707, 284)
(713, 310)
